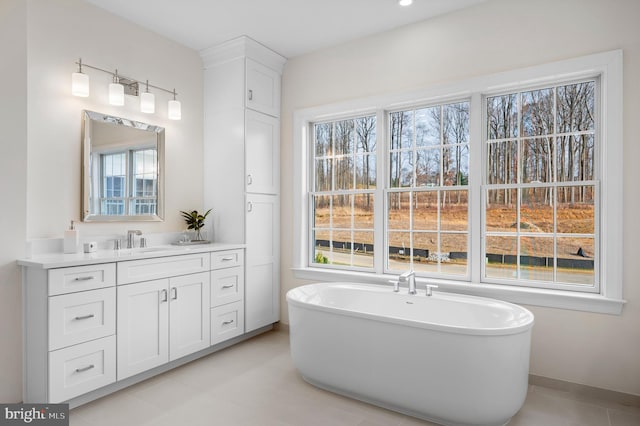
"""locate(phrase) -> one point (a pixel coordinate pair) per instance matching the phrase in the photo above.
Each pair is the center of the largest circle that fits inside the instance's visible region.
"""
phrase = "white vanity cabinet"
(93, 328)
(227, 296)
(166, 315)
(242, 164)
(69, 328)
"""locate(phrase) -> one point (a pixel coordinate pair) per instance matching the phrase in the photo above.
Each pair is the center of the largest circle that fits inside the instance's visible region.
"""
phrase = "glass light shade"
(80, 84)
(116, 94)
(405, 2)
(175, 111)
(147, 103)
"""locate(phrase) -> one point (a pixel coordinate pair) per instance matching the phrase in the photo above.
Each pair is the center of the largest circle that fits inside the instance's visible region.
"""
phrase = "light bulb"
(175, 110)
(405, 2)
(80, 84)
(147, 103)
(116, 94)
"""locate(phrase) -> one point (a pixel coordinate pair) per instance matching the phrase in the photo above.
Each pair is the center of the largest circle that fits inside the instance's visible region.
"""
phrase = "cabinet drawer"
(227, 285)
(80, 278)
(79, 317)
(162, 267)
(81, 368)
(227, 321)
(227, 259)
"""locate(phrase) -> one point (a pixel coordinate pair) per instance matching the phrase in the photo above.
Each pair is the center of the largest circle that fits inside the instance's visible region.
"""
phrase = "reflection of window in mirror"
(129, 182)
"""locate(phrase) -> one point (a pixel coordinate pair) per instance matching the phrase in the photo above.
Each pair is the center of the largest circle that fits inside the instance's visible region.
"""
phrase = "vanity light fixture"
(147, 101)
(175, 110)
(80, 82)
(116, 91)
(405, 2)
(124, 86)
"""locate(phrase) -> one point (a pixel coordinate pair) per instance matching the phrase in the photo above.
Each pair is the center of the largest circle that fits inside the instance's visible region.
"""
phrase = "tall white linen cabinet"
(242, 164)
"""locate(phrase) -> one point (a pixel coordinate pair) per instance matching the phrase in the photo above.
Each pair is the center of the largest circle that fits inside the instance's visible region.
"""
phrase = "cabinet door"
(262, 153)
(263, 88)
(143, 326)
(189, 310)
(262, 285)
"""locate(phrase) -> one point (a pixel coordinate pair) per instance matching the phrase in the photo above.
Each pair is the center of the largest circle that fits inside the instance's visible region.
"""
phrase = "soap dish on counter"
(190, 243)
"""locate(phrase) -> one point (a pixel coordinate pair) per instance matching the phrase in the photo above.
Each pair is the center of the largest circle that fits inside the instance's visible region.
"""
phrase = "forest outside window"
(542, 190)
(343, 198)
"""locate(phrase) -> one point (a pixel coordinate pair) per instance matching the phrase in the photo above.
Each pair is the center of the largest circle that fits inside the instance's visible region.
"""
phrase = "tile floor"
(255, 383)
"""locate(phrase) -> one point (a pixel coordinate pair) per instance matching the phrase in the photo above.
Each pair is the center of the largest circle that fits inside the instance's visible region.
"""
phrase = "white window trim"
(607, 65)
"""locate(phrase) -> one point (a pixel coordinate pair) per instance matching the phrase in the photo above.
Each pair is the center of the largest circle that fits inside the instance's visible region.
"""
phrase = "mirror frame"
(87, 118)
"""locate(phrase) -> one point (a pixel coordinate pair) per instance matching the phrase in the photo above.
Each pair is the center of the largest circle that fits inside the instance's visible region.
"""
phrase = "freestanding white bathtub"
(448, 358)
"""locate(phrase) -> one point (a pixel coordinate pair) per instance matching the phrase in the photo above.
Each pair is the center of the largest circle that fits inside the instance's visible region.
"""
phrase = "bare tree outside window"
(540, 172)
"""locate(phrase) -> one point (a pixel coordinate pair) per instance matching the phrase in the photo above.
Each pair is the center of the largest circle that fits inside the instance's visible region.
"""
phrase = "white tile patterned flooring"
(255, 383)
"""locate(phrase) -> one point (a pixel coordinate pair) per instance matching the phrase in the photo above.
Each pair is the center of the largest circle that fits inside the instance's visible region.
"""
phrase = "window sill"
(523, 295)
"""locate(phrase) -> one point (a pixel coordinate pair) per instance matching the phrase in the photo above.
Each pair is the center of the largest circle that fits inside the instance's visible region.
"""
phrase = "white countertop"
(61, 260)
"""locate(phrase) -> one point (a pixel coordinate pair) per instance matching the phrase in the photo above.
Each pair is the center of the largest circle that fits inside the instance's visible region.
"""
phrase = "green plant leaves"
(194, 219)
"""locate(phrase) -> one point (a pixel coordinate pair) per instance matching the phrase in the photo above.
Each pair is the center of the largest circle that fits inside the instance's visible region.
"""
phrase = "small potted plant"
(195, 221)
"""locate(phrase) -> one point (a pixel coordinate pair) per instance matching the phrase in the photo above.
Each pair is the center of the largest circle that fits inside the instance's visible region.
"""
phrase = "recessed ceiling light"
(405, 2)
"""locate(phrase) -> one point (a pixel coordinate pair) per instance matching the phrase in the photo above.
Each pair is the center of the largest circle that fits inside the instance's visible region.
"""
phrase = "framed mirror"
(122, 173)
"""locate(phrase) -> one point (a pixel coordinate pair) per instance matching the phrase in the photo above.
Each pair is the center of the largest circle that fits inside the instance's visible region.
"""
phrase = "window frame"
(554, 184)
(607, 66)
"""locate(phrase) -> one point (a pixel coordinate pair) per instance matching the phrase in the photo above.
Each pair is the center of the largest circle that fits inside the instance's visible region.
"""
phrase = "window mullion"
(477, 156)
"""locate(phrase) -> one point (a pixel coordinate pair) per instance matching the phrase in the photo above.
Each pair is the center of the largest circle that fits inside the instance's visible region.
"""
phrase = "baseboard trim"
(585, 390)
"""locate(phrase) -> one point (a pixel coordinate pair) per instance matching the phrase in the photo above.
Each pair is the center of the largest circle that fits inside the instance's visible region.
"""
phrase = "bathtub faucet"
(409, 278)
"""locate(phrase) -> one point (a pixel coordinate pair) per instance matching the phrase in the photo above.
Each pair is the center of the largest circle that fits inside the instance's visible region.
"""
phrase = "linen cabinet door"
(189, 310)
(262, 139)
(263, 88)
(262, 285)
(143, 327)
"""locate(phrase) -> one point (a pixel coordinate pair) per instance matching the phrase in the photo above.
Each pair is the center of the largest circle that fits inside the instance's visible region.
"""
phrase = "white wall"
(592, 349)
(41, 123)
(13, 185)
(61, 31)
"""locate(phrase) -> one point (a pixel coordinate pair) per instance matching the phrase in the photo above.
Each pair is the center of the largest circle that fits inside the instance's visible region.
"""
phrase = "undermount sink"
(152, 249)
(132, 251)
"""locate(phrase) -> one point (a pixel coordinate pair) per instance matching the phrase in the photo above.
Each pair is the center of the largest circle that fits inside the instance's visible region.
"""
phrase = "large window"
(344, 158)
(541, 192)
(428, 196)
(506, 185)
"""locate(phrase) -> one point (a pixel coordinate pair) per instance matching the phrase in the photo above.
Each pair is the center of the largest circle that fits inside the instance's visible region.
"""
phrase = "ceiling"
(289, 27)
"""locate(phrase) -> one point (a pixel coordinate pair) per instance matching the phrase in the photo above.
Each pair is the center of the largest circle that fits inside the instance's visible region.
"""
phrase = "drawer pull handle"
(174, 291)
(83, 369)
(227, 322)
(228, 286)
(84, 278)
(83, 317)
(164, 296)
(228, 258)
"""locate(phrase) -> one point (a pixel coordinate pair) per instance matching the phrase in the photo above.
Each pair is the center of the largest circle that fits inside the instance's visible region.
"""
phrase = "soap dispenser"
(71, 239)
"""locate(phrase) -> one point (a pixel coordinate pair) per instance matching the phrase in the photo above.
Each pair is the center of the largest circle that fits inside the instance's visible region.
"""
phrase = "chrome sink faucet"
(131, 238)
(409, 277)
